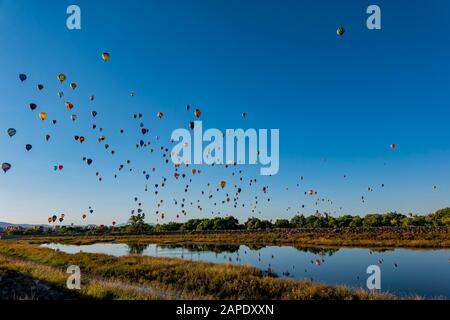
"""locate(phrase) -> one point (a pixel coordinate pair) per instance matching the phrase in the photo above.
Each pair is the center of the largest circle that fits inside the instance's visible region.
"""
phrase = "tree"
(282, 223)
(298, 221)
(137, 223)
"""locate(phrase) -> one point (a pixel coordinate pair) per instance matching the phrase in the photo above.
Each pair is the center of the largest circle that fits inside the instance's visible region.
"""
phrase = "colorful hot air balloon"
(43, 116)
(92, 98)
(12, 132)
(197, 113)
(392, 145)
(69, 105)
(160, 115)
(22, 77)
(6, 167)
(340, 31)
(222, 184)
(61, 77)
(105, 56)
(73, 85)
(82, 139)
(60, 94)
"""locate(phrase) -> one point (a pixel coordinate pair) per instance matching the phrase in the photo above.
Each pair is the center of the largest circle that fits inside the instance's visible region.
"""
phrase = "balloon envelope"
(12, 132)
(6, 167)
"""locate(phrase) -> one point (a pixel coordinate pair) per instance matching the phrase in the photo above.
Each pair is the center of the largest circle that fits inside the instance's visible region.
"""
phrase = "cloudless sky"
(339, 103)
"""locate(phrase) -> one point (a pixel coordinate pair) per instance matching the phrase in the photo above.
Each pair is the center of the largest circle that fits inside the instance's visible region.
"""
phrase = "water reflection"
(404, 272)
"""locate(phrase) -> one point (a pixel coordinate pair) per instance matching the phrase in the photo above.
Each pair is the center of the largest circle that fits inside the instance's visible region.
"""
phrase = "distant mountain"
(4, 225)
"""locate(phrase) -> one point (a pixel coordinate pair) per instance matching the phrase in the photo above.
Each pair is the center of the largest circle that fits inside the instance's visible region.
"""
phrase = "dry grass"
(429, 237)
(166, 278)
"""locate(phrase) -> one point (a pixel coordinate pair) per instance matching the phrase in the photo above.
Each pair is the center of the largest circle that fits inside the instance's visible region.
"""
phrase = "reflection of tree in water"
(216, 248)
(136, 248)
(255, 247)
(320, 251)
(381, 249)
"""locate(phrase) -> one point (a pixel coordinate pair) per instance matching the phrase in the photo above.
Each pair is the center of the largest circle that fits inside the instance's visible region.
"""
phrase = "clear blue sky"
(338, 102)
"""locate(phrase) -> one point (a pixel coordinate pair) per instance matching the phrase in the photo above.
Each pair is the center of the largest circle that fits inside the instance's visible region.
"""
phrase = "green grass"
(166, 278)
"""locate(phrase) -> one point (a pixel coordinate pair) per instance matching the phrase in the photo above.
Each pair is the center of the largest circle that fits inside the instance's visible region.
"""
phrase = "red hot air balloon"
(392, 145)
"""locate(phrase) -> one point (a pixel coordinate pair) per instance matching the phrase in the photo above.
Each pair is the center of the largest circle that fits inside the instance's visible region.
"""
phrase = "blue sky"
(338, 102)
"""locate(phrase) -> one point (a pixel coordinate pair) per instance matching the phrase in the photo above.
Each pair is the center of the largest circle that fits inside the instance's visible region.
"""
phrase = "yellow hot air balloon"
(222, 184)
(43, 115)
(62, 77)
(105, 56)
(69, 105)
(101, 138)
(73, 85)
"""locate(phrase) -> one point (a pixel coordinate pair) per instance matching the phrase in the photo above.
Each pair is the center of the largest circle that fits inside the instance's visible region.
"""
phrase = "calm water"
(403, 272)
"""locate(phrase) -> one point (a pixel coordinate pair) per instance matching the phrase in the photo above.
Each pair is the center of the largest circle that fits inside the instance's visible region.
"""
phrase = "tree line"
(137, 224)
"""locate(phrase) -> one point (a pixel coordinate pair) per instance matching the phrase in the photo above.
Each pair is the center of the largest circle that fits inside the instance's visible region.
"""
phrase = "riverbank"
(412, 237)
(141, 277)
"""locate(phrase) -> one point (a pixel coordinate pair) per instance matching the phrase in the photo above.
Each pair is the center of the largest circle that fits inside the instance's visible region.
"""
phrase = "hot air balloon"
(33, 106)
(12, 132)
(94, 113)
(101, 138)
(340, 31)
(50, 219)
(191, 125)
(105, 56)
(92, 98)
(82, 139)
(244, 114)
(43, 116)
(160, 115)
(113, 223)
(197, 113)
(60, 94)
(222, 184)
(22, 77)
(40, 86)
(83, 216)
(47, 137)
(392, 145)
(73, 117)
(89, 162)
(73, 85)
(28, 147)
(6, 167)
(69, 105)
(61, 77)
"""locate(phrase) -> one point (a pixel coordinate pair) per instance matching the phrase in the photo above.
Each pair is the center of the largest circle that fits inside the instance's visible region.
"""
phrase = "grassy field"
(413, 237)
(139, 277)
